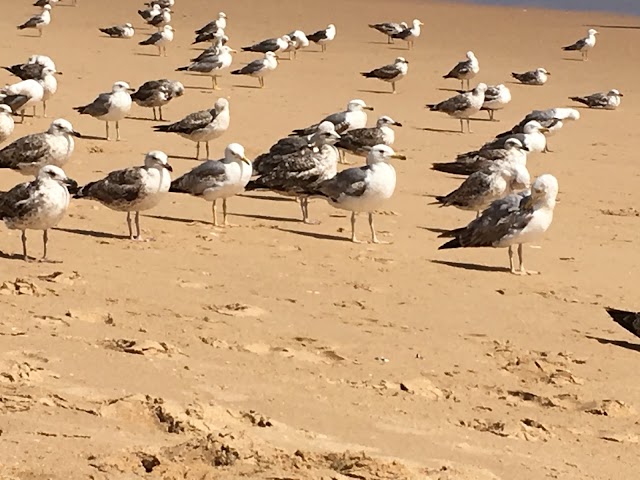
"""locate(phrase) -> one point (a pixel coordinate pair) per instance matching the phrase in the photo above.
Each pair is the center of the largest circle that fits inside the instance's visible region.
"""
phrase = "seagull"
(322, 37)
(495, 98)
(353, 117)
(202, 126)
(630, 321)
(608, 101)
(211, 29)
(584, 44)
(483, 187)
(42, 3)
(549, 118)
(161, 3)
(151, 12)
(217, 179)
(363, 189)
(513, 220)
(38, 21)
(132, 189)
(160, 20)
(110, 107)
(119, 31)
(391, 73)
(160, 39)
(298, 41)
(50, 87)
(360, 140)
(25, 93)
(259, 68)
(513, 152)
(291, 144)
(211, 65)
(32, 70)
(6, 122)
(539, 76)
(157, 93)
(27, 155)
(532, 137)
(465, 70)
(37, 205)
(293, 174)
(219, 40)
(270, 45)
(389, 29)
(409, 35)
(45, 75)
(462, 106)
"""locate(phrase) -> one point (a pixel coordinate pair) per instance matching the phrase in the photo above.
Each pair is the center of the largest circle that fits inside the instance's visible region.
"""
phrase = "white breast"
(156, 184)
(238, 175)
(119, 107)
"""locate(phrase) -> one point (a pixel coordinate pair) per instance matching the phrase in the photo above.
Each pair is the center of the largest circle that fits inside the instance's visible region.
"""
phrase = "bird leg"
(261, 81)
(304, 206)
(160, 110)
(214, 213)
(393, 87)
(374, 237)
(491, 113)
(225, 223)
(522, 270)
(208, 156)
(45, 241)
(469, 126)
(25, 257)
(197, 150)
(461, 126)
(154, 113)
(117, 131)
(34, 111)
(353, 228)
(44, 108)
(131, 237)
(389, 40)
(512, 267)
(107, 127)
(138, 232)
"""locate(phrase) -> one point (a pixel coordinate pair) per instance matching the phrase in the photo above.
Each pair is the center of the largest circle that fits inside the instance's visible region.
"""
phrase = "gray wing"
(293, 173)
(190, 123)
(26, 71)
(269, 45)
(97, 108)
(579, 45)
(452, 105)
(338, 119)
(210, 174)
(499, 142)
(32, 22)
(597, 100)
(147, 91)
(152, 40)
(15, 102)
(350, 182)
(388, 72)
(462, 68)
(403, 35)
(120, 186)
(492, 93)
(18, 201)
(356, 140)
(206, 64)
(470, 193)
(388, 28)
(115, 31)
(24, 151)
(253, 67)
(526, 77)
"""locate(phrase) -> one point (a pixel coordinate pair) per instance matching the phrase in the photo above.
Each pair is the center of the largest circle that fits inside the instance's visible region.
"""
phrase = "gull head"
(518, 177)
(615, 92)
(270, 56)
(157, 159)
(533, 126)
(331, 26)
(235, 152)
(56, 174)
(46, 7)
(121, 87)
(222, 15)
(221, 105)
(470, 55)
(128, 25)
(62, 127)
(227, 50)
(46, 71)
(169, 28)
(592, 32)
(5, 109)
(417, 23)
(542, 70)
(357, 105)
(177, 88)
(382, 154)
(480, 88)
(325, 134)
(401, 60)
(545, 188)
(386, 120)
(514, 143)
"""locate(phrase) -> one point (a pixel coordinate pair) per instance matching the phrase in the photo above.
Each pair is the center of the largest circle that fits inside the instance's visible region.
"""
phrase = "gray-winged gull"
(467, 163)
(156, 94)
(354, 116)
(539, 76)
(110, 107)
(38, 21)
(496, 98)
(259, 68)
(584, 44)
(324, 36)
(211, 65)
(389, 28)
(7, 124)
(465, 70)
(607, 100)
(119, 31)
(360, 140)
(160, 39)
(391, 73)
(462, 106)
(409, 35)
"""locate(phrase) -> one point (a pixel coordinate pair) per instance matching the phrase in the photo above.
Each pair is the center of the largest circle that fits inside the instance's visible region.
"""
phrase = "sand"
(280, 350)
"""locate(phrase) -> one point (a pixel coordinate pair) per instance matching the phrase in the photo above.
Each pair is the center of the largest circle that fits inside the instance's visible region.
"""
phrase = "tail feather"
(163, 128)
(569, 48)
(83, 192)
(236, 72)
(579, 100)
(628, 320)
(453, 243)
(176, 188)
(182, 69)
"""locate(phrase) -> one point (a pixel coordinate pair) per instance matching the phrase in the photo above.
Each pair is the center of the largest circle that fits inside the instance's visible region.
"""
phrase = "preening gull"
(132, 189)
(156, 94)
(217, 179)
(532, 137)
(483, 187)
(27, 155)
(462, 106)
(37, 205)
(359, 141)
(539, 76)
(391, 73)
(299, 41)
(495, 98)
(6, 122)
(513, 220)
(33, 69)
(630, 321)
(465, 70)
(211, 65)
(119, 31)
(38, 21)
(409, 35)
(608, 101)
(389, 29)
(322, 37)
(160, 39)
(110, 107)
(584, 44)
(353, 117)
(513, 152)
(259, 68)
(161, 20)
(202, 126)
(279, 44)
(295, 173)
(363, 189)
(151, 12)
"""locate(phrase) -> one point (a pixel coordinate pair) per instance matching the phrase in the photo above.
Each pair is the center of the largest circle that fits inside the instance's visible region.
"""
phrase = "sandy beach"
(278, 350)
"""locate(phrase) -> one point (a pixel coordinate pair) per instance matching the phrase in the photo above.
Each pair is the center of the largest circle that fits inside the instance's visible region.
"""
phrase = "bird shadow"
(438, 130)
(11, 256)
(379, 43)
(145, 119)
(251, 87)
(618, 343)
(620, 27)
(456, 90)
(93, 137)
(202, 89)
(400, 48)
(319, 236)
(266, 197)
(184, 157)
(28, 36)
(471, 266)
(267, 217)
(145, 54)
(571, 59)
(435, 230)
(91, 233)
(177, 219)
(380, 92)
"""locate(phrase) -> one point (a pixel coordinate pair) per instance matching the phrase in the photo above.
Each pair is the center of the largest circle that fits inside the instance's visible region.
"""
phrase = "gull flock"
(511, 208)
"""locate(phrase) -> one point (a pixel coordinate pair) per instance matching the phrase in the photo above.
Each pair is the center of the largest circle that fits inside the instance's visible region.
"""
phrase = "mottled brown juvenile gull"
(465, 70)
(156, 94)
(467, 163)
(360, 140)
(462, 106)
(605, 100)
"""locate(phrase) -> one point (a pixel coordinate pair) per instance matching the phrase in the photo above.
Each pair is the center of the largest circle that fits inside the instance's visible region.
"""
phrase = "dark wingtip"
(453, 243)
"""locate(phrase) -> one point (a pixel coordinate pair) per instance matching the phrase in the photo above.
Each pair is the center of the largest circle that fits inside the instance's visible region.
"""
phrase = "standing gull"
(110, 107)
(298, 41)
(38, 21)
(391, 73)
(161, 3)
(119, 31)
(462, 106)
(409, 35)
(539, 76)
(513, 152)
(608, 101)
(25, 93)
(363, 189)
(219, 40)
(151, 12)
(211, 65)
(160, 39)
(322, 37)
(465, 70)
(514, 220)
(389, 29)
(202, 126)
(6, 122)
(206, 33)
(259, 68)
(353, 117)
(495, 98)
(360, 140)
(584, 44)
(161, 20)
(37, 205)
(132, 189)
(156, 94)
(27, 155)
(217, 179)
(270, 45)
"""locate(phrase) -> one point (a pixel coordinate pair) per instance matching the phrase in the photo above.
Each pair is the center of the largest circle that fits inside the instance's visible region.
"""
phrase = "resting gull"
(160, 39)
(202, 126)
(156, 94)
(360, 140)
(513, 220)
(495, 98)
(409, 35)
(27, 155)
(37, 205)
(38, 21)
(217, 179)
(119, 31)
(110, 107)
(465, 70)
(259, 68)
(462, 106)
(211, 65)
(532, 137)
(6, 122)
(279, 44)
(389, 29)
(322, 37)
(391, 73)
(353, 117)
(539, 76)
(161, 3)
(608, 101)
(363, 189)
(512, 152)
(630, 321)
(584, 44)
(551, 118)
